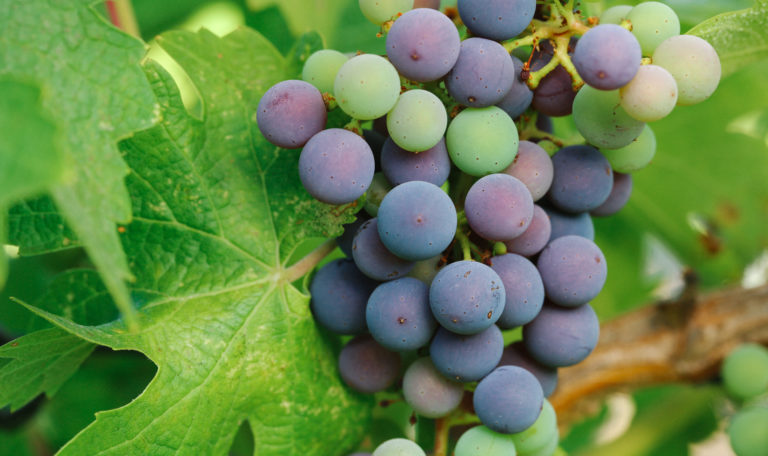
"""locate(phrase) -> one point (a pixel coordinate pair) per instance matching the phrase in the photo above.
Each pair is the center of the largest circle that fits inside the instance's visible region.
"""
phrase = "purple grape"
(519, 97)
(376, 141)
(400, 166)
(483, 74)
(290, 113)
(336, 166)
(417, 220)
(560, 336)
(467, 297)
(570, 224)
(523, 288)
(508, 400)
(428, 392)
(582, 180)
(607, 57)
(398, 315)
(496, 19)
(554, 95)
(533, 167)
(373, 259)
(516, 355)
(368, 367)
(535, 237)
(423, 44)
(498, 207)
(573, 270)
(544, 123)
(620, 193)
(350, 231)
(466, 358)
(339, 297)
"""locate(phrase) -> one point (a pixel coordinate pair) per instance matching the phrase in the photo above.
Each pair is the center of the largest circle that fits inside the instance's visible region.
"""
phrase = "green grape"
(615, 14)
(650, 95)
(635, 156)
(380, 11)
(418, 121)
(540, 434)
(398, 447)
(379, 188)
(693, 63)
(602, 121)
(652, 23)
(745, 371)
(321, 68)
(749, 432)
(547, 450)
(482, 141)
(481, 441)
(367, 87)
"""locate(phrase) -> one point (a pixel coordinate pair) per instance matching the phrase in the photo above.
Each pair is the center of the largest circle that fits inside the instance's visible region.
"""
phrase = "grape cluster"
(469, 230)
(745, 377)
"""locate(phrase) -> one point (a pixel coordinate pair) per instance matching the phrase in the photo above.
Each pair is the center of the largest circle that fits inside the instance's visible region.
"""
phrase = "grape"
(535, 237)
(540, 434)
(615, 14)
(482, 141)
(496, 19)
(467, 297)
(499, 207)
(376, 141)
(573, 270)
(400, 166)
(652, 23)
(350, 231)
(516, 355)
(423, 45)
(379, 188)
(336, 166)
(547, 450)
(360, 454)
(651, 95)
(426, 270)
(428, 392)
(508, 400)
(602, 121)
(523, 289)
(434, 4)
(554, 95)
(519, 97)
(635, 156)
(622, 189)
(381, 11)
(607, 57)
(544, 123)
(417, 220)
(745, 371)
(290, 113)
(339, 295)
(693, 63)
(367, 87)
(466, 358)
(321, 68)
(570, 224)
(561, 336)
(398, 315)
(368, 367)
(481, 441)
(582, 179)
(373, 259)
(482, 75)
(533, 166)
(418, 120)
(747, 431)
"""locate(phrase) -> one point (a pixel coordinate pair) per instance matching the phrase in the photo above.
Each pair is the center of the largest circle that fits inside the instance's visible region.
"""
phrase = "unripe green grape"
(694, 64)
(398, 447)
(321, 68)
(380, 11)
(379, 188)
(636, 156)
(650, 95)
(482, 141)
(548, 450)
(602, 121)
(745, 371)
(540, 434)
(367, 87)
(615, 14)
(652, 23)
(749, 432)
(418, 121)
(481, 441)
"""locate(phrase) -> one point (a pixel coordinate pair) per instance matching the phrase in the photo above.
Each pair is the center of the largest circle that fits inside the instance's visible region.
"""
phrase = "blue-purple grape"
(554, 95)
(582, 179)
(400, 166)
(535, 237)
(533, 167)
(482, 75)
(368, 367)
(562, 336)
(564, 224)
(620, 193)
(499, 207)
(607, 57)
(496, 19)
(350, 231)
(519, 97)
(428, 392)
(516, 355)
(573, 270)
(508, 400)
(398, 315)
(523, 288)
(372, 257)
(290, 113)
(339, 297)
(466, 358)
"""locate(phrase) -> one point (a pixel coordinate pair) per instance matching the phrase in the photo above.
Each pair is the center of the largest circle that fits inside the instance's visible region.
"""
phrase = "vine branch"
(306, 264)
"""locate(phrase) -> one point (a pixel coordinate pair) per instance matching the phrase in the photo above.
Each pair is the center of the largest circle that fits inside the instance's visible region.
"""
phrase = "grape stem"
(442, 429)
(122, 16)
(466, 248)
(355, 127)
(308, 263)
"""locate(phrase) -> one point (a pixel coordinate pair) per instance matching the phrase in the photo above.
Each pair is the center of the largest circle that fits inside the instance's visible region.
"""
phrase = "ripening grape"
(379, 188)
(602, 121)
(418, 120)
(321, 68)
(554, 95)
(535, 237)
(508, 400)
(428, 392)
(745, 371)
(582, 179)
(398, 315)
(496, 19)
(540, 434)
(339, 297)
(368, 367)
(350, 231)
(533, 166)
(400, 166)
(520, 96)
(381, 11)
(398, 447)
(634, 156)
(615, 14)
(426, 270)
(498, 207)
(482, 141)
(693, 63)
(620, 193)
(481, 441)
(573, 270)
(651, 95)
(516, 355)
(523, 288)
(482, 75)
(373, 259)
(607, 57)
(563, 224)
(652, 23)
(465, 358)
(562, 336)
(290, 113)
(367, 87)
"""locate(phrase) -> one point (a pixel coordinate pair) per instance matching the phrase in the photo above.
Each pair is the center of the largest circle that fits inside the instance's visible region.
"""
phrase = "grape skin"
(516, 355)
(336, 166)
(426, 270)
(652, 23)
(367, 367)
(651, 95)
(535, 237)
(540, 435)
(508, 400)
(418, 121)
(379, 12)
(398, 315)
(428, 392)
(523, 288)
(520, 96)
(379, 188)
(602, 121)
(533, 166)
(367, 87)
(339, 297)
(745, 371)
(482, 75)
(466, 358)
(481, 441)
(582, 179)
(747, 431)
(499, 207)
(620, 193)
(372, 257)
(400, 166)
(607, 57)
(290, 113)
(423, 44)
(398, 447)
(496, 19)
(570, 224)
(573, 270)
(350, 231)
(694, 64)
(560, 336)
(554, 95)
(482, 141)
(635, 156)
(321, 68)
(615, 14)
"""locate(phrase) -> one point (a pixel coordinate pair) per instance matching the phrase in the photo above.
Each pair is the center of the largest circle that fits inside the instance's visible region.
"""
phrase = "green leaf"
(740, 37)
(97, 92)
(38, 227)
(218, 212)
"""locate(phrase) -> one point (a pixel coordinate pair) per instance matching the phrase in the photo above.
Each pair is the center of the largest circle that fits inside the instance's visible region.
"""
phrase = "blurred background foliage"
(702, 204)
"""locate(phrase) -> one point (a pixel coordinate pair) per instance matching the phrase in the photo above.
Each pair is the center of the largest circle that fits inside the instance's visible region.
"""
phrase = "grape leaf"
(97, 92)
(217, 213)
(740, 37)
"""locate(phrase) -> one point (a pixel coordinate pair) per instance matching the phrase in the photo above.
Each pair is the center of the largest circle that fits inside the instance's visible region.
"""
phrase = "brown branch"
(681, 341)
